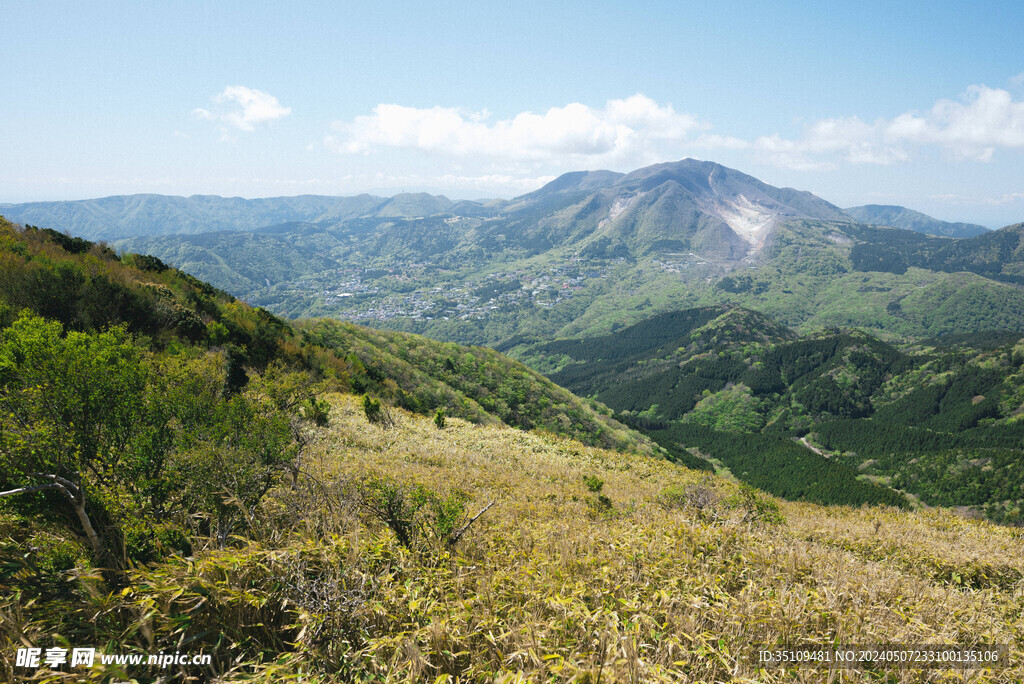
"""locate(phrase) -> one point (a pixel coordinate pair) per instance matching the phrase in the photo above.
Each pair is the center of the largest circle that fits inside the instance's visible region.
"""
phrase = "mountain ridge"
(593, 249)
(123, 216)
(908, 219)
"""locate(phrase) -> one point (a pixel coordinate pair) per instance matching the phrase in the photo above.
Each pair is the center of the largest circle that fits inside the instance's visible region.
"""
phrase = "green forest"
(938, 420)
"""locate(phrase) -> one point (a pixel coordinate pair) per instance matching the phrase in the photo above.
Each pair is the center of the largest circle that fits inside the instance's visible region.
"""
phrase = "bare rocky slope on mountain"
(590, 251)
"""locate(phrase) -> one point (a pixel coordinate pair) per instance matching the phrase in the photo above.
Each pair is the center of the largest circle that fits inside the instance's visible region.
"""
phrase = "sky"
(919, 104)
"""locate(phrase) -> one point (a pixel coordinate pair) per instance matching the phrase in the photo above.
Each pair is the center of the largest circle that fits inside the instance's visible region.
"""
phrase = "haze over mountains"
(586, 252)
(120, 216)
(718, 190)
(908, 219)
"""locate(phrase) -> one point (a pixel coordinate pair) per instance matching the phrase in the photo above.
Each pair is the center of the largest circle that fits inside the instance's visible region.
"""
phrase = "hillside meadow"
(590, 565)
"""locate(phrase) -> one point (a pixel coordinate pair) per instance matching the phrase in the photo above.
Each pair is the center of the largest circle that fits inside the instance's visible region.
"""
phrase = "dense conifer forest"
(938, 420)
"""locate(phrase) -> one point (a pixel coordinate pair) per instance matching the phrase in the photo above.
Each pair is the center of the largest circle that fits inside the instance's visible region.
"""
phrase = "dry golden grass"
(551, 585)
(546, 586)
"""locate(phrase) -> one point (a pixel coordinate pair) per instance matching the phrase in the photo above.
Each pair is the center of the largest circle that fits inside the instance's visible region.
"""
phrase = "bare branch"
(70, 489)
(453, 540)
(27, 490)
(76, 496)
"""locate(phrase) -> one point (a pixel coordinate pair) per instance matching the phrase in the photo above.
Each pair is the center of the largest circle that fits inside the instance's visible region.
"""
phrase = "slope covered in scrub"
(588, 564)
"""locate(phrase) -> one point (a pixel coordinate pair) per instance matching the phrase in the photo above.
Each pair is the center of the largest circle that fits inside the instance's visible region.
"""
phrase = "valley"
(709, 281)
(594, 250)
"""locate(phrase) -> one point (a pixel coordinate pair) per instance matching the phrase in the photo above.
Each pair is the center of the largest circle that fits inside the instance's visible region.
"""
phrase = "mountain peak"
(575, 181)
(741, 203)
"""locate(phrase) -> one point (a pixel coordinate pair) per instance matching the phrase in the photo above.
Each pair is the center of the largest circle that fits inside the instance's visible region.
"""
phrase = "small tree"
(439, 419)
(75, 416)
(376, 413)
(415, 513)
(123, 442)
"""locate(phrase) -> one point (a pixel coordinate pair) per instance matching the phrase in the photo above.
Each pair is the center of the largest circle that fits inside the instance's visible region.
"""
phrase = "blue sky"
(914, 103)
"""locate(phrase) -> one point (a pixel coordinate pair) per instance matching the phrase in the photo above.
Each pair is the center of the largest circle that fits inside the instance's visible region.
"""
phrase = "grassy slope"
(544, 588)
(472, 382)
(542, 581)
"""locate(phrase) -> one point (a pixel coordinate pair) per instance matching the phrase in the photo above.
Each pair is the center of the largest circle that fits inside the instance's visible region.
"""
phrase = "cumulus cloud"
(243, 108)
(623, 130)
(983, 120)
(634, 131)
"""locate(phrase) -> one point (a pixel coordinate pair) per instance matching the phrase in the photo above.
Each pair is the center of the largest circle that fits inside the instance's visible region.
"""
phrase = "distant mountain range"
(587, 252)
(121, 216)
(908, 219)
(742, 202)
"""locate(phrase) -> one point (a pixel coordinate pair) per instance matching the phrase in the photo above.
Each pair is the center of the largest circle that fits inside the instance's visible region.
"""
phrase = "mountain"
(596, 249)
(908, 219)
(178, 467)
(575, 181)
(712, 210)
(123, 216)
(247, 502)
(996, 254)
(688, 572)
(86, 286)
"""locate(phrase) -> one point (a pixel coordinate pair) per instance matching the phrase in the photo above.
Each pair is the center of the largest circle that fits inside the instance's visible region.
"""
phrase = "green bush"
(375, 413)
(416, 515)
(317, 411)
(601, 506)
(756, 507)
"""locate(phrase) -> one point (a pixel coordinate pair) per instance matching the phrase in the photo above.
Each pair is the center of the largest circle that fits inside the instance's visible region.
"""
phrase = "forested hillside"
(939, 420)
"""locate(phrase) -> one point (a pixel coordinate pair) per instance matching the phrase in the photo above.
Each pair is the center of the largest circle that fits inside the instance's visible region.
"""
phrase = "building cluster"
(423, 292)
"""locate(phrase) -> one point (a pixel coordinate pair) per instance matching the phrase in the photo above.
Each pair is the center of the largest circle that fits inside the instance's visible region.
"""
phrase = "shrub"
(317, 411)
(593, 483)
(375, 413)
(439, 419)
(756, 507)
(413, 512)
(601, 506)
(700, 497)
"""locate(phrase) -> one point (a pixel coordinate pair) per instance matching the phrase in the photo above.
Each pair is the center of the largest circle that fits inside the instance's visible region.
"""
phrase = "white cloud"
(244, 109)
(974, 127)
(713, 141)
(624, 131)
(635, 131)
